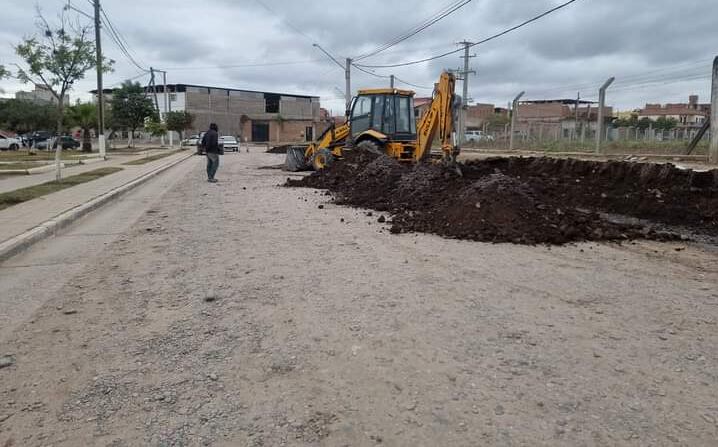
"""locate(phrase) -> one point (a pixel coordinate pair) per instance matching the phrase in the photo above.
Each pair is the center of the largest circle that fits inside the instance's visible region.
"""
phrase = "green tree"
(663, 123)
(84, 116)
(179, 122)
(497, 121)
(25, 116)
(4, 73)
(644, 123)
(131, 107)
(155, 127)
(57, 57)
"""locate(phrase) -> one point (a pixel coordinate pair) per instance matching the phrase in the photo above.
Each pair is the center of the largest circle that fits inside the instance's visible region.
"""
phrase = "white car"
(191, 141)
(476, 136)
(230, 144)
(9, 143)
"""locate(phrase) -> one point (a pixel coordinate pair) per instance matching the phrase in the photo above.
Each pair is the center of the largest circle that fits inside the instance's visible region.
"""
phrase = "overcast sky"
(658, 50)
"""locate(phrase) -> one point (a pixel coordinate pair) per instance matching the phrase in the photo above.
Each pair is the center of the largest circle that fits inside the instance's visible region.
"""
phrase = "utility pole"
(713, 150)
(100, 93)
(514, 118)
(601, 106)
(465, 94)
(348, 78)
(391, 81)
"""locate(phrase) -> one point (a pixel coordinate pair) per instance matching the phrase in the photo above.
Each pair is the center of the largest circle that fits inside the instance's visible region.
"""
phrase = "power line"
(120, 41)
(397, 79)
(488, 39)
(434, 18)
(247, 65)
(287, 22)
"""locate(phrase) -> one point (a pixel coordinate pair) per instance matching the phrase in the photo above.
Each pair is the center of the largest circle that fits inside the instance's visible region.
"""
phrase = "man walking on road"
(210, 143)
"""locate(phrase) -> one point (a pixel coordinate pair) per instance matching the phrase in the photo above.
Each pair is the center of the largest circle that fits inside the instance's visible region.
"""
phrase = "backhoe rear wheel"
(323, 158)
(370, 146)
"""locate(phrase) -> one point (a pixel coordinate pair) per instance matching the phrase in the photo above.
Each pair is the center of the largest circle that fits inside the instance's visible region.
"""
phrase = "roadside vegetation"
(18, 196)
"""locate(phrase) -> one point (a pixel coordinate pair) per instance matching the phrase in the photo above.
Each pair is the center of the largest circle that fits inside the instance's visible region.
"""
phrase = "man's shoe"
(213, 180)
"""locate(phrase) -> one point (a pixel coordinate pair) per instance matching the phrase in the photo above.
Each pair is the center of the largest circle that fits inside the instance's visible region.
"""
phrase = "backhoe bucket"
(295, 160)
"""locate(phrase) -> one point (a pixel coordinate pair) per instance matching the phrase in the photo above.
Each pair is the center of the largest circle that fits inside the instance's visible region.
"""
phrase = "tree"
(4, 73)
(179, 122)
(84, 116)
(644, 123)
(131, 107)
(497, 121)
(663, 123)
(25, 116)
(155, 127)
(57, 58)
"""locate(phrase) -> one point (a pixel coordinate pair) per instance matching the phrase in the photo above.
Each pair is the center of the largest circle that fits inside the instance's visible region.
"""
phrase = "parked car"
(477, 136)
(39, 139)
(9, 143)
(229, 143)
(191, 141)
(67, 142)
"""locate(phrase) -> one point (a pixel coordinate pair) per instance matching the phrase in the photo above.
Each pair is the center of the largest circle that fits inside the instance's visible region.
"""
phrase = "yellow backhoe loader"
(382, 121)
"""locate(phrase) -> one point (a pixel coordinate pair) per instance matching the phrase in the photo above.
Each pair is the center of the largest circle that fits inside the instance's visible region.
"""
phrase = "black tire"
(370, 146)
(322, 159)
(13, 147)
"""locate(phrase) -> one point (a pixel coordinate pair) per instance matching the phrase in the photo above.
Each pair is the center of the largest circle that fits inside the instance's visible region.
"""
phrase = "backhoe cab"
(382, 121)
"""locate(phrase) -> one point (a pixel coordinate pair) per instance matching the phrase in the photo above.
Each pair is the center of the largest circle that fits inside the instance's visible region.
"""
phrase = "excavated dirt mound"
(279, 149)
(528, 200)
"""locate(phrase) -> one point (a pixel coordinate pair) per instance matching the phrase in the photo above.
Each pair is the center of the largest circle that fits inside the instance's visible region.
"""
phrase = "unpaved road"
(229, 316)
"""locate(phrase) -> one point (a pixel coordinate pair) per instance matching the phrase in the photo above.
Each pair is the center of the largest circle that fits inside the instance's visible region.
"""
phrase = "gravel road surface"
(243, 314)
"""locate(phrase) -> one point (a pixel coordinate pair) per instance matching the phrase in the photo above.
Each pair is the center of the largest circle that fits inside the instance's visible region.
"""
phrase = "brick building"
(250, 115)
(687, 115)
(557, 118)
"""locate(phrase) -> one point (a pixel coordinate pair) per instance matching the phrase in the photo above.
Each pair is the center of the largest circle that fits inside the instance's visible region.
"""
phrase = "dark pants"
(212, 165)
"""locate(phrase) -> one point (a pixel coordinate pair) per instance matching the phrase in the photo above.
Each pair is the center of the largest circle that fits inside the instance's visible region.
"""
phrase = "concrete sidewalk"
(14, 182)
(22, 219)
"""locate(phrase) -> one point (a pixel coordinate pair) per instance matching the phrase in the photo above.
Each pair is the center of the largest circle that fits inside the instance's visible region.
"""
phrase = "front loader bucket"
(295, 160)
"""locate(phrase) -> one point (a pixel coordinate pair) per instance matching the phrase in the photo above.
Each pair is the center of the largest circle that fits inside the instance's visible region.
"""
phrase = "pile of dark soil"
(528, 200)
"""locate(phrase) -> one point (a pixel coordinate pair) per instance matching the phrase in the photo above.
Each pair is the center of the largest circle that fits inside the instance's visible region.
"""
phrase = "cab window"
(361, 114)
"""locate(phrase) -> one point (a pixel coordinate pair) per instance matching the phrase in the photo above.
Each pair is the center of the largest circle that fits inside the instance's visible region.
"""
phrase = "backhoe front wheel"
(323, 158)
(370, 146)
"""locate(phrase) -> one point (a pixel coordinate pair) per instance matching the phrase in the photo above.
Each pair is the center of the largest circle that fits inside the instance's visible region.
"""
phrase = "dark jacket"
(210, 142)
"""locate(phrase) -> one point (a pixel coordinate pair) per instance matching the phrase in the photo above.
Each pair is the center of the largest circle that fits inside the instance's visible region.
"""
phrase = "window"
(361, 114)
(271, 103)
(389, 115)
(378, 118)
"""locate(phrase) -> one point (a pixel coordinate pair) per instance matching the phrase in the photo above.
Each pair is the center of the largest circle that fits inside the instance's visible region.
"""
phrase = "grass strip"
(142, 161)
(41, 155)
(8, 199)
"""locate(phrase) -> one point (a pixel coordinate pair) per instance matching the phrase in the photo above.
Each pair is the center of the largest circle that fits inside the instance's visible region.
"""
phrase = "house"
(252, 115)
(689, 115)
(559, 118)
(478, 114)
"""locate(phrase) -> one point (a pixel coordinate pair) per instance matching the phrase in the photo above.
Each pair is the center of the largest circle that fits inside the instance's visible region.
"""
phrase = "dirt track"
(230, 316)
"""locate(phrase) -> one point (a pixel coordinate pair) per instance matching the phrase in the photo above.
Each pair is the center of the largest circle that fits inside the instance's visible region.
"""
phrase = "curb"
(21, 242)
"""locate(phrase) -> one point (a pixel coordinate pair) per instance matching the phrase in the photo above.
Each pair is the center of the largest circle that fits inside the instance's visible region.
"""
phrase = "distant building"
(478, 114)
(252, 115)
(557, 118)
(41, 94)
(688, 115)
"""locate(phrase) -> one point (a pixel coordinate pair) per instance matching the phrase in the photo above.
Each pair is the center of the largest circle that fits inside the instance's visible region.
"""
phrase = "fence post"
(514, 118)
(601, 106)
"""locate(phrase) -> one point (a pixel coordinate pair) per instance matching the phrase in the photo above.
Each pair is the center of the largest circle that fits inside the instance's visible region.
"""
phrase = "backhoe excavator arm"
(439, 118)
(331, 137)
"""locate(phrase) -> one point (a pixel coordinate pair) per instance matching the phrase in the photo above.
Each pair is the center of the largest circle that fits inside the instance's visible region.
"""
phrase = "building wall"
(228, 107)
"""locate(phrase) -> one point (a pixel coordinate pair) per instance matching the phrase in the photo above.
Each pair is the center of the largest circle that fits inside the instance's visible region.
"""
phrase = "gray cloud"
(574, 49)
